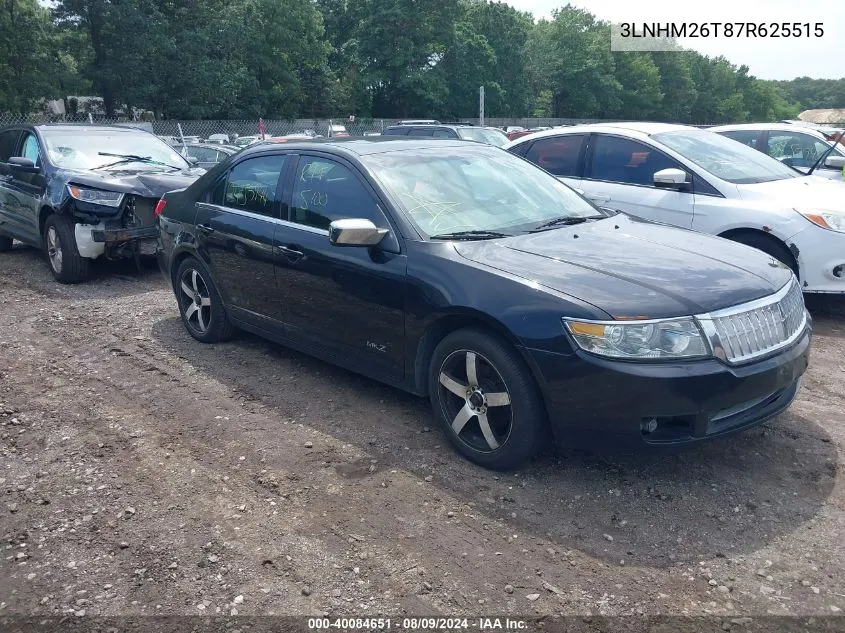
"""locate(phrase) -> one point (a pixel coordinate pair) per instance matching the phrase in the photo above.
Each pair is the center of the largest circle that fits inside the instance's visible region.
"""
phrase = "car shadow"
(723, 498)
(27, 267)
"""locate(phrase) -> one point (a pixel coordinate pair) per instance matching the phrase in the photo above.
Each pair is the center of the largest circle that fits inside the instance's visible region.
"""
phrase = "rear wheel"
(66, 264)
(5, 243)
(200, 306)
(486, 399)
(768, 245)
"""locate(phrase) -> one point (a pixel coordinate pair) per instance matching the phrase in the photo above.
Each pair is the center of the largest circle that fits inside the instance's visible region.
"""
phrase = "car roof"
(359, 146)
(88, 127)
(778, 127)
(432, 125)
(634, 128)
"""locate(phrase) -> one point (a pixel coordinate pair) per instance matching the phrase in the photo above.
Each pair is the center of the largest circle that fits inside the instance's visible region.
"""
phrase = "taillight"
(159, 207)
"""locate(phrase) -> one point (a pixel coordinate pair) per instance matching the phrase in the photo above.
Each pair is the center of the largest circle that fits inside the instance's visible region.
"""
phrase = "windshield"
(80, 149)
(474, 188)
(725, 158)
(482, 135)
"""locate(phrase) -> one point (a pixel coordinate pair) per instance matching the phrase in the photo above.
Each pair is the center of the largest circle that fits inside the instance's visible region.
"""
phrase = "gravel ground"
(144, 473)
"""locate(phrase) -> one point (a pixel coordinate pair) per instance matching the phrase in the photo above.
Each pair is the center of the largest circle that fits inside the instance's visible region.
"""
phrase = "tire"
(5, 243)
(503, 394)
(770, 246)
(66, 264)
(200, 305)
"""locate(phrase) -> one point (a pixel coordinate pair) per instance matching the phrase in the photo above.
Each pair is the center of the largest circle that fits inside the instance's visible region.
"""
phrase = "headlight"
(825, 219)
(95, 196)
(665, 339)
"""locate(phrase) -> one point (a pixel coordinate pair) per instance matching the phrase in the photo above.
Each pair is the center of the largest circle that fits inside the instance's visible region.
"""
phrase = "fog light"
(837, 270)
(648, 426)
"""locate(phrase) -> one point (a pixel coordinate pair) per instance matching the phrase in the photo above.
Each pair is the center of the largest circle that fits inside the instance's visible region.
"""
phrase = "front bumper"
(599, 403)
(124, 234)
(821, 259)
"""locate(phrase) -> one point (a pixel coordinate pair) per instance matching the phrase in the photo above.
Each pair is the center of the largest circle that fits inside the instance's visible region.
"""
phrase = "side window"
(797, 150)
(30, 149)
(8, 141)
(621, 160)
(443, 133)
(557, 154)
(421, 131)
(325, 191)
(204, 154)
(396, 131)
(746, 137)
(252, 184)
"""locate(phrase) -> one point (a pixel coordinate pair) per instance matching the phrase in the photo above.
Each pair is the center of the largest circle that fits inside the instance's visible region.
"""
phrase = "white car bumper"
(821, 259)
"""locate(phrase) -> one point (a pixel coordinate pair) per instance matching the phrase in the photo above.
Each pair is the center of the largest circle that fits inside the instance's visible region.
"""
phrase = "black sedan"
(464, 273)
(83, 192)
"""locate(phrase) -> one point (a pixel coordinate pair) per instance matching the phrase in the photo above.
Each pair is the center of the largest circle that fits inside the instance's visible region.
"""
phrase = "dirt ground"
(142, 472)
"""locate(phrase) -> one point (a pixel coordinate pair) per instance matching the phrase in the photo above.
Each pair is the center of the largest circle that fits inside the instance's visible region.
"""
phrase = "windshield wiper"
(566, 220)
(470, 235)
(131, 158)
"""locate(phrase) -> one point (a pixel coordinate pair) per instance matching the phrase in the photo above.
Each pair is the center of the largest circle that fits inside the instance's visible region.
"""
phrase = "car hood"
(807, 192)
(150, 184)
(630, 268)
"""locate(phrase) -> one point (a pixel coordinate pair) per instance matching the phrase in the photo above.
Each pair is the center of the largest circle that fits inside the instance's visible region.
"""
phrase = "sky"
(768, 58)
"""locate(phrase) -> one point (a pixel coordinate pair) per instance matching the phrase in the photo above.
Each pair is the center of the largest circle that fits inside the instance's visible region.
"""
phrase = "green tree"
(28, 66)
(639, 77)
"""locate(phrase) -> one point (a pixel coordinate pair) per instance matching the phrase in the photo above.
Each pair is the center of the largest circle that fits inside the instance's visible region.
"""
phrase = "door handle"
(291, 254)
(205, 228)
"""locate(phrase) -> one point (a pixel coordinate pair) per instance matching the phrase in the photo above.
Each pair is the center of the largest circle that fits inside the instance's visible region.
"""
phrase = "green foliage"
(382, 58)
(29, 67)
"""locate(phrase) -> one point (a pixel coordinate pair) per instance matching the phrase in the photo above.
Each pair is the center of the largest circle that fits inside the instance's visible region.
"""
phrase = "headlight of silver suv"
(654, 339)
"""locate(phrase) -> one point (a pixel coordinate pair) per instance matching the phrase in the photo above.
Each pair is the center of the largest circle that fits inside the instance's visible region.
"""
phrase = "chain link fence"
(205, 128)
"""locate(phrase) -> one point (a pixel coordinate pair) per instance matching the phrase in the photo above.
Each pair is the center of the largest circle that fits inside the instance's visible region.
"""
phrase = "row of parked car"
(634, 284)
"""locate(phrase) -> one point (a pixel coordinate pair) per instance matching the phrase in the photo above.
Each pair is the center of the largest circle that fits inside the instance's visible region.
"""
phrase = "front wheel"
(200, 306)
(66, 264)
(486, 399)
(5, 243)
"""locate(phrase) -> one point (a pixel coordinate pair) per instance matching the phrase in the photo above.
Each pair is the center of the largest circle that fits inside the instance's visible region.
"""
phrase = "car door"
(346, 301)
(235, 228)
(25, 190)
(562, 156)
(8, 145)
(619, 173)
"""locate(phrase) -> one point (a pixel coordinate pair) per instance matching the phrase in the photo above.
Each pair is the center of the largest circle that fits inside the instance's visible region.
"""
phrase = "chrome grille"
(757, 328)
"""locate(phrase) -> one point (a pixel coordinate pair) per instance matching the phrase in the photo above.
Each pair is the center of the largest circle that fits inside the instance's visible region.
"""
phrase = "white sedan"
(793, 145)
(699, 180)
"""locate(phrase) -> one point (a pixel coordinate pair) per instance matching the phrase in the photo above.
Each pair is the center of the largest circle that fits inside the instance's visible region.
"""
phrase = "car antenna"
(825, 154)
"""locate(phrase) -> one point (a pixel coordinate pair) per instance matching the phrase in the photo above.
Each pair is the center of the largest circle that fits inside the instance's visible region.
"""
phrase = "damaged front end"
(128, 231)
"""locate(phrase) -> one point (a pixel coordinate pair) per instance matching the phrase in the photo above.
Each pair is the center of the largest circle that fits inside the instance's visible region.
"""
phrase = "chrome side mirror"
(672, 178)
(835, 162)
(355, 232)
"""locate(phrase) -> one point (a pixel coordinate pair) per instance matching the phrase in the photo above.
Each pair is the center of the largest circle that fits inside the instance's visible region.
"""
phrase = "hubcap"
(473, 395)
(54, 249)
(195, 300)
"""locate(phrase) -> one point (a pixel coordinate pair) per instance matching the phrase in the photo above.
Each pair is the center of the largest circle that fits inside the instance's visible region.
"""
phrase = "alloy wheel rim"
(54, 249)
(195, 301)
(475, 400)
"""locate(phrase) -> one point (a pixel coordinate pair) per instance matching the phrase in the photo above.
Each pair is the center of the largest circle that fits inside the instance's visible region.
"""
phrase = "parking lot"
(143, 472)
